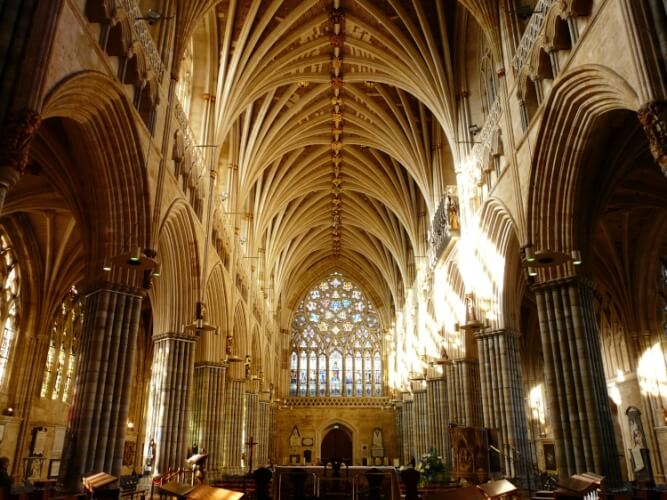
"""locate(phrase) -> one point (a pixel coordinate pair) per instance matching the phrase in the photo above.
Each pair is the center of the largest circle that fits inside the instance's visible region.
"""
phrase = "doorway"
(337, 445)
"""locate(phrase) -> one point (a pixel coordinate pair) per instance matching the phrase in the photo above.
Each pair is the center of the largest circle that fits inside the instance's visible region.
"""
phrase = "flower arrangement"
(432, 469)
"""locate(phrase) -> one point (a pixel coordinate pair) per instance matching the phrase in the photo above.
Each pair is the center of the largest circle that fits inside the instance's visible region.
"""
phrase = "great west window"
(336, 343)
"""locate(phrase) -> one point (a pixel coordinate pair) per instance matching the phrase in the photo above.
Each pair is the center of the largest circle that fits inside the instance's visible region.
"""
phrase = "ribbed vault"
(320, 179)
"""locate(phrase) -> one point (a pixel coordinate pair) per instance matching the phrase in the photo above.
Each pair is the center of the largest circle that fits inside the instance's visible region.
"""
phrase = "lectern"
(578, 486)
(101, 486)
(497, 489)
(176, 489)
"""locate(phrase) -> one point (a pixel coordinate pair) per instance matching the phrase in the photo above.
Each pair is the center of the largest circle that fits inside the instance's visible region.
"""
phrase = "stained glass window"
(336, 343)
(8, 303)
(63, 348)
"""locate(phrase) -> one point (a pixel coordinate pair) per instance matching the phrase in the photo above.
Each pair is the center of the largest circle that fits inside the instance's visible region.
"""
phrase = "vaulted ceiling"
(336, 120)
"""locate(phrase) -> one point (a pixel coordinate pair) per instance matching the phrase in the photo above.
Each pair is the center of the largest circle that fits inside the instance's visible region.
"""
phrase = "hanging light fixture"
(200, 325)
(135, 258)
(229, 357)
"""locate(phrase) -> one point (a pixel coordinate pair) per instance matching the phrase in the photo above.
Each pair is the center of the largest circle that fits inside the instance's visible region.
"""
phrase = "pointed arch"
(240, 344)
(576, 103)
(105, 183)
(499, 259)
(176, 292)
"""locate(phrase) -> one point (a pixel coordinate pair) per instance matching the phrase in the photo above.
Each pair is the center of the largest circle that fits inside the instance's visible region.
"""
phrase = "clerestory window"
(336, 343)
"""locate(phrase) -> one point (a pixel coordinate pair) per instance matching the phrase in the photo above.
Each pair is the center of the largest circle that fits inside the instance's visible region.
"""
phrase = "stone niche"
(314, 422)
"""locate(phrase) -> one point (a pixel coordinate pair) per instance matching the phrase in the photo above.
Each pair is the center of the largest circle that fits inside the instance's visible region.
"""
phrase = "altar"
(323, 481)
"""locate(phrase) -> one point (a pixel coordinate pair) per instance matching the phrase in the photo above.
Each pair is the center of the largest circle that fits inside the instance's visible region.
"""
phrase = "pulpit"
(470, 450)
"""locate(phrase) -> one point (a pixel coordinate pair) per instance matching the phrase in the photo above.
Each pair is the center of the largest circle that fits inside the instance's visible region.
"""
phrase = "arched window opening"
(9, 308)
(336, 343)
(184, 85)
(488, 80)
(63, 349)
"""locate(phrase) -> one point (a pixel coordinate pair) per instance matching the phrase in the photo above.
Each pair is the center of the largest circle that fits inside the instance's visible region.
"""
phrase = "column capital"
(234, 379)
(462, 361)
(178, 336)
(501, 332)
(563, 281)
(211, 364)
(97, 286)
(653, 117)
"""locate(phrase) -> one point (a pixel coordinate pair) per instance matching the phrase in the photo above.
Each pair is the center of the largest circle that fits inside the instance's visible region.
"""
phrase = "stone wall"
(314, 422)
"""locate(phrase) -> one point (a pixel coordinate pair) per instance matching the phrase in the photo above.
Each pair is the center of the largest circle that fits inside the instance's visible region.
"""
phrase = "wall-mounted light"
(136, 258)
(130, 424)
(529, 253)
(157, 270)
(135, 254)
(106, 266)
(532, 271)
(474, 129)
(576, 257)
(152, 16)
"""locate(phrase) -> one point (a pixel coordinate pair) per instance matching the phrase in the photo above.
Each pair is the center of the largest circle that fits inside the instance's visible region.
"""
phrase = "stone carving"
(377, 443)
(653, 116)
(453, 213)
(641, 462)
(19, 130)
(295, 438)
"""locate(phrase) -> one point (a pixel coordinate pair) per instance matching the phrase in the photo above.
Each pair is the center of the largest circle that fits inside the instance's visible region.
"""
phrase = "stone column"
(438, 417)
(261, 454)
(208, 410)
(574, 380)
(465, 400)
(233, 423)
(422, 439)
(98, 416)
(272, 439)
(15, 138)
(251, 428)
(170, 399)
(503, 399)
(653, 116)
(651, 407)
(398, 420)
(408, 426)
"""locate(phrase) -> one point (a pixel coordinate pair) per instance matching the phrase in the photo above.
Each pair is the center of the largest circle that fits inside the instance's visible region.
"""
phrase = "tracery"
(9, 307)
(63, 348)
(336, 343)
